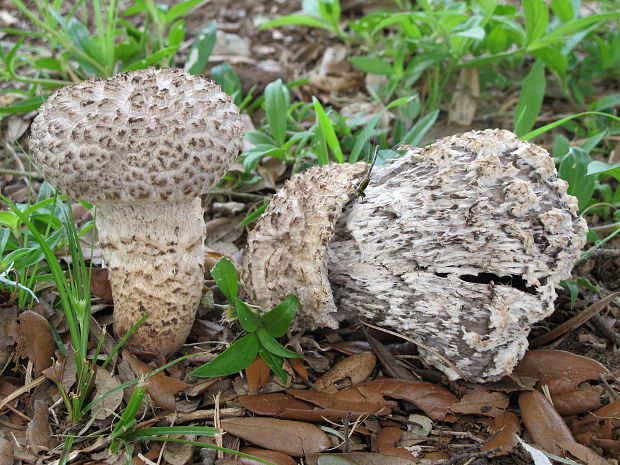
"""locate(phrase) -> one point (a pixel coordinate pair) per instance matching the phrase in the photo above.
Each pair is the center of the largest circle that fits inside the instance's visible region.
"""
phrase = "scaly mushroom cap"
(147, 135)
(286, 251)
(459, 245)
(142, 146)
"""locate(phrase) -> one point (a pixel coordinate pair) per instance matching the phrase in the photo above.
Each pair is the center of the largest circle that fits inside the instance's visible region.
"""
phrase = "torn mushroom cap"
(142, 146)
(286, 251)
(458, 245)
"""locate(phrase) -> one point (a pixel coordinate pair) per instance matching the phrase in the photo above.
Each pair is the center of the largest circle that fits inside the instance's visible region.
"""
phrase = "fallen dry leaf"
(387, 438)
(300, 369)
(481, 401)
(583, 453)
(38, 431)
(356, 367)
(160, 387)
(543, 423)
(272, 404)
(576, 402)
(289, 437)
(507, 426)
(33, 335)
(106, 382)
(561, 371)
(271, 455)
(6, 343)
(257, 374)
(433, 400)
(177, 453)
(358, 458)
(6, 452)
(100, 284)
(348, 400)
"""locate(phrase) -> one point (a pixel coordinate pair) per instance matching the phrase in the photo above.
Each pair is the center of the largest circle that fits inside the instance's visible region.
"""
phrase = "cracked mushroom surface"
(458, 245)
(143, 146)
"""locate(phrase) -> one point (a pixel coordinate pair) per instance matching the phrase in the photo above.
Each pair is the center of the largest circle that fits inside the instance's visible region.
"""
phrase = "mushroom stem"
(154, 252)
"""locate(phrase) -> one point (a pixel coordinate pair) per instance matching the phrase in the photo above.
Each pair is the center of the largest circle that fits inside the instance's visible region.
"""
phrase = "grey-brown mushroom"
(459, 245)
(143, 146)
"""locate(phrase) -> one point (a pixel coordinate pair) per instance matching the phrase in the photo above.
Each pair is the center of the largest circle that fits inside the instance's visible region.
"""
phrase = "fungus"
(459, 245)
(143, 146)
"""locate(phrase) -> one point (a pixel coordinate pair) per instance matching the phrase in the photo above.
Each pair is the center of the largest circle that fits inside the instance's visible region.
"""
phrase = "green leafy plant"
(261, 330)
(320, 14)
(116, 44)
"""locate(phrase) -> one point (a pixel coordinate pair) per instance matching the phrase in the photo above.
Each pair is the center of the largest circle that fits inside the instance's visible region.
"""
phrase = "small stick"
(574, 322)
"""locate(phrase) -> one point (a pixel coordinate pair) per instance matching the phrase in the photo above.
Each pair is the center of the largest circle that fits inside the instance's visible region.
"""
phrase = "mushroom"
(143, 146)
(458, 245)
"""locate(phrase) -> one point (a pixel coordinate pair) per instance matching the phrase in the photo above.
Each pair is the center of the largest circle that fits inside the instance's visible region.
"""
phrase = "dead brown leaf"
(257, 374)
(361, 458)
(289, 437)
(100, 285)
(543, 423)
(272, 404)
(356, 367)
(6, 342)
(507, 426)
(387, 439)
(576, 402)
(6, 452)
(583, 453)
(433, 400)
(160, 387)
(106, 382)
(560, 370)
(348, 400)
(33, 335)
(300, 369)
(271, 455)
(177, 453)
(482, 401)
(38, 431)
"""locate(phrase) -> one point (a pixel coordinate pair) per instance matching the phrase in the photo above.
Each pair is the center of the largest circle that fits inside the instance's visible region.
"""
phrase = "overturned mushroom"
(143, 146)
(459, 245)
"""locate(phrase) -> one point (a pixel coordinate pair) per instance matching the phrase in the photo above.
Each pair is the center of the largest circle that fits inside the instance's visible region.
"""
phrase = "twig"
(181, 417)
(468, 455)
(574, 322)
(606, 330)
(608, 388)
(22, 390)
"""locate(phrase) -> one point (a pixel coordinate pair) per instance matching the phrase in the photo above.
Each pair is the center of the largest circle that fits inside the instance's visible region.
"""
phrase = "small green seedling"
(361, 186)
(260, 331)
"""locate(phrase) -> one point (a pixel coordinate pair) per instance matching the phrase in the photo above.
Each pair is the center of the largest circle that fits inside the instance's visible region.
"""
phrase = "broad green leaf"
(9, 219)
(273, 346)
(553, 59)
(176, 33)
(24, 106)
(277, 101)
(181, 9)
(277, 320)
(274, 362)
(475, 32)
(576, 25)
(530, 99)
(234, 359)
(201, 49)
(325, 127)
(555, 124)
(247, 319)
(536, 19)
(228, 79)
(225, 275)
(573, 169)
(415, 135)
(563, 9)
(496, 40)
(252, 156)
(151, 59)
(373, 65)
(296, 20)
(600, 167)
(259, 137)
(401, 101)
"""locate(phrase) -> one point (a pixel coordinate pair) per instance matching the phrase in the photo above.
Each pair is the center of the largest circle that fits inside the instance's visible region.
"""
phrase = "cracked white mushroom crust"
(143, 146)
(459, 245)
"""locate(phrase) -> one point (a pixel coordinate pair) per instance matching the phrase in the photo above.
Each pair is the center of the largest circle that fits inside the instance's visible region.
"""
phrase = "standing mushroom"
(459, 245)
(143, 146)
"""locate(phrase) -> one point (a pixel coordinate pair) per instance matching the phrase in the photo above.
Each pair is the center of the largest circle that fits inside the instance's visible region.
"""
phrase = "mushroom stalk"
(154, 253)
